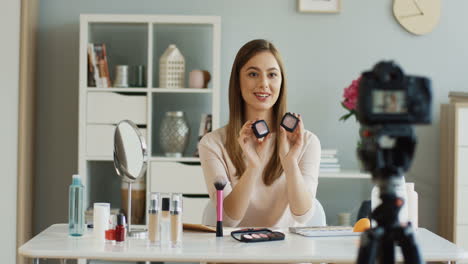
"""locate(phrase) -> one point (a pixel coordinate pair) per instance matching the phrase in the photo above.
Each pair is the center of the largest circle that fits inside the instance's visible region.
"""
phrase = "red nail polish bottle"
(110, 233)
(120, 228)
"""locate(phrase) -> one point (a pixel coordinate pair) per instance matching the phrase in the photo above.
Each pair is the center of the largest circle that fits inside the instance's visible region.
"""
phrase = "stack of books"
(98, 67)
(329, 161)
(456, 97)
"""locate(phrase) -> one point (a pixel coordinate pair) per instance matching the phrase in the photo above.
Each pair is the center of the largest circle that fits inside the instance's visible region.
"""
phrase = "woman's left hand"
(291, 143)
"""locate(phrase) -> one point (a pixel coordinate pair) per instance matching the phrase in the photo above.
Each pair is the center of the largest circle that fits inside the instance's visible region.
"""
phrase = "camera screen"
(388, 102)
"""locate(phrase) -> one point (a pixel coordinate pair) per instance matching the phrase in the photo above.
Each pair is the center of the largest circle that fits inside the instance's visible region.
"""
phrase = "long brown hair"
(237, 115)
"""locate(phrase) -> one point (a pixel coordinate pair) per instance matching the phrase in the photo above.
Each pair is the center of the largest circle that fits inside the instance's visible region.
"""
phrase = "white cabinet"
(110, 108)
(453, 211)
(177, 177)
(140, 40)
(100, 140)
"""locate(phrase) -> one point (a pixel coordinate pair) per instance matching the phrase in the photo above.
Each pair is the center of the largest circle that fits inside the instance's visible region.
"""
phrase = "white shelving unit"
(453, 209)
(141, 40)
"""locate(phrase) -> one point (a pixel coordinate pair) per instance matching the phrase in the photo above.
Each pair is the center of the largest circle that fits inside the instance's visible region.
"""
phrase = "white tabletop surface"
(54, 242)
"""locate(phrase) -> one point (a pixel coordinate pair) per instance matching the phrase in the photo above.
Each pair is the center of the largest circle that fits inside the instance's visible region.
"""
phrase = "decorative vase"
(121, 76)
(174, 134)
(172, 68)
(199, 79)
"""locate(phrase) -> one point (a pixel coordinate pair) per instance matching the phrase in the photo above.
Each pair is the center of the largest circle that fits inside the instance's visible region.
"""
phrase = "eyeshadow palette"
(251, 235)
(260, 128)
(289, 122)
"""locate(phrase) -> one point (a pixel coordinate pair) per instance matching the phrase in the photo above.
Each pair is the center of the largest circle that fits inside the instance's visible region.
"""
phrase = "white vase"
(172, 68)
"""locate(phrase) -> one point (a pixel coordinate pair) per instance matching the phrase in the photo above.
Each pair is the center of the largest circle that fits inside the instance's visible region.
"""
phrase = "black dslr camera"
(387, 96)
(389, 102)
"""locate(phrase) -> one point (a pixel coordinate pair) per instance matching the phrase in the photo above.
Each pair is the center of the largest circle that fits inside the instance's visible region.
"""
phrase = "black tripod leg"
(369, 243)
(408, 245)
(386, 250)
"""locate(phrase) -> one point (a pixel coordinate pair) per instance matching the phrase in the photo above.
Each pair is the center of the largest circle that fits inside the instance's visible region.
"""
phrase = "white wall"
(9, 76)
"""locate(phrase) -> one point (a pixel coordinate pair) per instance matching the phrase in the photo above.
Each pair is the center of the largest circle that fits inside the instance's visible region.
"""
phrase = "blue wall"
(323, 53)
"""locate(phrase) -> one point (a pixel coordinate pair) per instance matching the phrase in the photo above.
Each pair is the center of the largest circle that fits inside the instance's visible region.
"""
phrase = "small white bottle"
(412, 204)
(400, 191)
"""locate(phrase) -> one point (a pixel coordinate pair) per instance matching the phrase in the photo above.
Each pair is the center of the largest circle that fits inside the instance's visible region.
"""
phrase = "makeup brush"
(219, 185)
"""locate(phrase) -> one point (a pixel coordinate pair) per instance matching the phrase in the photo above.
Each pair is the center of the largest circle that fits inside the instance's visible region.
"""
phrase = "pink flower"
(350, 95)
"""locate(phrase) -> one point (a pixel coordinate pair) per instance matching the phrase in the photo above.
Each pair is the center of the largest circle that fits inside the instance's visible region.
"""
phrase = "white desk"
(54, 242)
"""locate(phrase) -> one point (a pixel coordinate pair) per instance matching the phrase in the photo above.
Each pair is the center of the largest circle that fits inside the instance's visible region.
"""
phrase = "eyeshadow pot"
(260, 128)
(289, 122)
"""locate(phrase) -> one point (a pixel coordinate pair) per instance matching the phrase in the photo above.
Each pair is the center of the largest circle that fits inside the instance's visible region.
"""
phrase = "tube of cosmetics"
(165, 222)
(176, 219)
(153, 217)
(101, 214)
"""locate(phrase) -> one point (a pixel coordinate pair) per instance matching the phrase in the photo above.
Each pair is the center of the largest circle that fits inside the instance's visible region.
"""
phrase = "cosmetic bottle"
(412, 204)
(76, 213)
(176, 219)
(101, 215)
(120, 231)
(153, 214)
(110, 232)
(400, 191)
(165, 222)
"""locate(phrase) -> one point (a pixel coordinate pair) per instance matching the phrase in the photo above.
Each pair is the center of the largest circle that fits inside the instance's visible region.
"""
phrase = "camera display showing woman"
(271, 181)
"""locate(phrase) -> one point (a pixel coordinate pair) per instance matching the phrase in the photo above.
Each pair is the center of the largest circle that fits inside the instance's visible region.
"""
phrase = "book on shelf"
(456, 97)
(92, 68)
(328, 160)
(99, 67)
(205, 128)
(329, 165)
(93, 72)
(329, 152)
(322, 169)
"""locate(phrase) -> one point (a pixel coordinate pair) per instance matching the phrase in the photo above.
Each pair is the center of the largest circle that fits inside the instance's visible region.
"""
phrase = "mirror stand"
(129, 207)
(137, 233)
(130, 161)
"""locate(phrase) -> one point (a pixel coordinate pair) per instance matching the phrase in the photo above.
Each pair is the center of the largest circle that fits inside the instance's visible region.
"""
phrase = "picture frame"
(319, 6)
(206, 127)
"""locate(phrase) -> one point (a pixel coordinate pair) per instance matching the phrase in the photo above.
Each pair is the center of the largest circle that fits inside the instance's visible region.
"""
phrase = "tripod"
(379, 242)
(389, 103)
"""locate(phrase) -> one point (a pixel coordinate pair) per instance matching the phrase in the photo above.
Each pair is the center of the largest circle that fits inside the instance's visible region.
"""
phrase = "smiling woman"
(260, 84)
(271, 174)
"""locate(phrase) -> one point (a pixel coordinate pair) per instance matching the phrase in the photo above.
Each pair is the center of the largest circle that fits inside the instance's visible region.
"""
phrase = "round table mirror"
(130, 159)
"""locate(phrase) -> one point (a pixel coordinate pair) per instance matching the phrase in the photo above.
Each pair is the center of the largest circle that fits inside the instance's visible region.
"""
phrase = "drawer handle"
(190, 163)
(196, 195)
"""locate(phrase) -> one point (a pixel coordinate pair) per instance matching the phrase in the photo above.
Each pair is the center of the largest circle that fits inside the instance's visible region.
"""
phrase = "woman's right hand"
(255, 149)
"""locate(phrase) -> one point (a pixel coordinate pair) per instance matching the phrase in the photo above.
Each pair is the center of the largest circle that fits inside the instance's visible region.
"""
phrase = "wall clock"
(417, 16)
